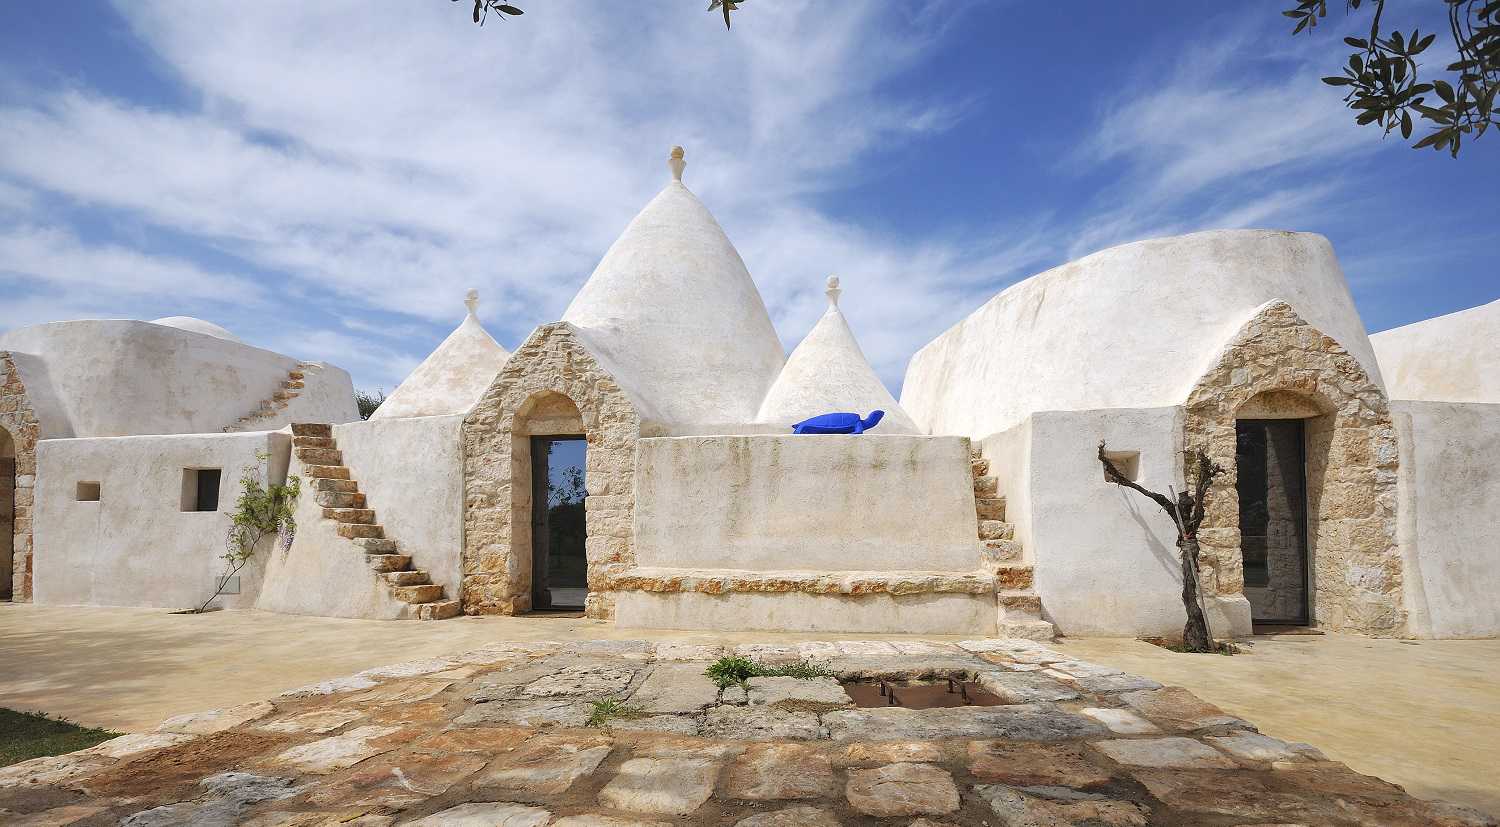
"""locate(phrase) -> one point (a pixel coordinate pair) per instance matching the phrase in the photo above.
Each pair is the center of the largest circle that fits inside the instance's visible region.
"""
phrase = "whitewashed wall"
(124, 378)
(825, 502)
(1133, 326)
(1449, 517)
(1452, 358)
(1105, 557)
(135, 546)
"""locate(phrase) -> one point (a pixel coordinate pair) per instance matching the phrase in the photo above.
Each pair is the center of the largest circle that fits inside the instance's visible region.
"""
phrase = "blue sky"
(325, 179)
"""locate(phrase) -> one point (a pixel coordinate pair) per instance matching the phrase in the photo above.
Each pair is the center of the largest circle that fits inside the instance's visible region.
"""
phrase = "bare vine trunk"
(1195, 637)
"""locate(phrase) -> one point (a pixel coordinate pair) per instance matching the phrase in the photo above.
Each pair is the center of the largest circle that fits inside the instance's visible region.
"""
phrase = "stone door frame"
(497, 475)
(19, 420)
(1278, 359)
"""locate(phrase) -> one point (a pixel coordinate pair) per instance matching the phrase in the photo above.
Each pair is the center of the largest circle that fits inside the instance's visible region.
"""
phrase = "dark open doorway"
(1272, 483)
(559, 567)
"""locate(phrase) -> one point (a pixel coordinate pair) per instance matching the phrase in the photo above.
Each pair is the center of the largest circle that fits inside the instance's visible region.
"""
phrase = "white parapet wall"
(1449, 517)
(112, 525)
(808, 533)
(1105, 557)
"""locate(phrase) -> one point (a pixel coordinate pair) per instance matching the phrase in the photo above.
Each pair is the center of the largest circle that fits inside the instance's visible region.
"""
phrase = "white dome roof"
(195, 325)
(677, 316)
(828, 373)
(453, 377)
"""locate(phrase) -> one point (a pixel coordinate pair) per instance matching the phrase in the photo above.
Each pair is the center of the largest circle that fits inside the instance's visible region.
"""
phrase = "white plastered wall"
(1449, 517)
(825, 502)
(124, 378)
(1452, 358)
(135, 546)
(1105, 557)
(1134, 326)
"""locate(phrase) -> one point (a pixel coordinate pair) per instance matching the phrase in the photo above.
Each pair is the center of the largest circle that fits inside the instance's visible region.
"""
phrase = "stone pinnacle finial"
(676, 164)
(833, 291)
(471, 300)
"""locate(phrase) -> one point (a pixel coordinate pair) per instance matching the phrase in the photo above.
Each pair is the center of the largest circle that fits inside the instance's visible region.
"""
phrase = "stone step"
(975, 452)
(986, 486)
(418, 594)
(409, 577)
(339, 499)
(355, 531)
(350, 515)
(995, 552)
(284, 395)
(311, 429)
(376, 545)
(295, 384)
(346, 486)
(1026, 604)
(388, 562)
(1013, 577)
(990, 508)
(320, 456)
(996, 530)
(1026, 629)
(295, 374)
(313, 442)
(439, 610)
(979, 467)
(326, 472)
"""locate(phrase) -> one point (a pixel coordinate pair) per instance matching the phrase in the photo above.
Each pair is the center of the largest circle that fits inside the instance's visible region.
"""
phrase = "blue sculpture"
(838, 423)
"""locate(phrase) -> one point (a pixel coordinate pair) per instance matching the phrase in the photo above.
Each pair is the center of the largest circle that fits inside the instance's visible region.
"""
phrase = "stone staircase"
(1019, 606)
(339, 496)
(269, 408)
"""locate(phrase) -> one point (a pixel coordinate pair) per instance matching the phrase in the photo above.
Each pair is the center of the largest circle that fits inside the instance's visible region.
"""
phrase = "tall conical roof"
(828, 373)
(453, 378)
(674, 311)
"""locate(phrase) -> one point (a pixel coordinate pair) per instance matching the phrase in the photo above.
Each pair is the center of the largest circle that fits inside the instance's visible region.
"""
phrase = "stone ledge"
(855, 583)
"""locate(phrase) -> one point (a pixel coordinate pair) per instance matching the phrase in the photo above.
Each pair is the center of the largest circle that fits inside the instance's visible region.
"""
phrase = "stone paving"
(525, 734)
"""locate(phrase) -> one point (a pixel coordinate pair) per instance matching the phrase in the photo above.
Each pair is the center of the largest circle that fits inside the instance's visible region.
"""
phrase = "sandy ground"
(1425, 714)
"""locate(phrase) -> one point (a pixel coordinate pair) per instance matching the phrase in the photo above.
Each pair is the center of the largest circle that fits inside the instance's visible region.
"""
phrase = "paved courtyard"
(526, 734)
(1425, 715)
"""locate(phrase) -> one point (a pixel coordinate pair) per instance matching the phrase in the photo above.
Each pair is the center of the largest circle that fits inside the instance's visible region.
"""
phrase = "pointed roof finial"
(833, 291)
(471, 300)
(676, 164)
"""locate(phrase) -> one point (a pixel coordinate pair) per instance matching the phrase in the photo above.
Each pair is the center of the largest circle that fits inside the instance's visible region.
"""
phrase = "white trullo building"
(634, 459)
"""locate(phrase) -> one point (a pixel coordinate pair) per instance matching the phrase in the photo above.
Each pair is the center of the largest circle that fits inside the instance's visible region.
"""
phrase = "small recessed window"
(87, 492)
(1126, 462)
(200, 489)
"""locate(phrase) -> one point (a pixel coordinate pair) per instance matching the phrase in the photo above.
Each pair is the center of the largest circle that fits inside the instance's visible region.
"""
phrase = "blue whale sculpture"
(838, 423)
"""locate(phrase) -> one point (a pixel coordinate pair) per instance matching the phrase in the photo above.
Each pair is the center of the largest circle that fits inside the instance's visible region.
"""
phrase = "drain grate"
(919, 695)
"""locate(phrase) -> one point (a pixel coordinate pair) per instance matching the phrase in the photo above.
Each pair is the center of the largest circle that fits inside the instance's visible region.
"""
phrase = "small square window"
(1126, 462)
(87, 492)
(200, 489)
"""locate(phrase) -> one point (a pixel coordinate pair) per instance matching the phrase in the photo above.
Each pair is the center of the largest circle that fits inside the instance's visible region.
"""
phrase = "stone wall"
(1351, 467)
(18, 420)
(497, 476)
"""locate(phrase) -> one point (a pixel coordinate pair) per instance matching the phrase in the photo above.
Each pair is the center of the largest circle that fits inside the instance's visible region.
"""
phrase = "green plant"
(27, 735)
(261, 511)
(729, 671)
(368, 402)
(605, 711)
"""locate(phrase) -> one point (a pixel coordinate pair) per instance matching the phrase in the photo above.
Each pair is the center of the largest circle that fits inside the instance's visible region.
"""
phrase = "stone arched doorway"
(7, 512)
(1278, 368)
(21, 430)
(551, 386)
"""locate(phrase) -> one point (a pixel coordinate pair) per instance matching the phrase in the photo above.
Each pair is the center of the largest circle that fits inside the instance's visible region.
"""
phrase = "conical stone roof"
(828, 373)
(674, 312)
(453, 377)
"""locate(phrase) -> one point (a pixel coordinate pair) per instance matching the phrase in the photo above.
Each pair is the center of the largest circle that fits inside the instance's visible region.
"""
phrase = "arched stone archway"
(1279, 366)
(17, 480)
(550, 382)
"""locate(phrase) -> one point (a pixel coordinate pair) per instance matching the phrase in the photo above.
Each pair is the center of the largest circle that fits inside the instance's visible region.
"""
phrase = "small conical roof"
(828, 373)
(453, 378)
(673, 308)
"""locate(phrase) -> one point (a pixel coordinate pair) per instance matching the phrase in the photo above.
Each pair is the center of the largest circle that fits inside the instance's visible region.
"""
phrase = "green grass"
(606, 711)
(732, 670)
(27, 735)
